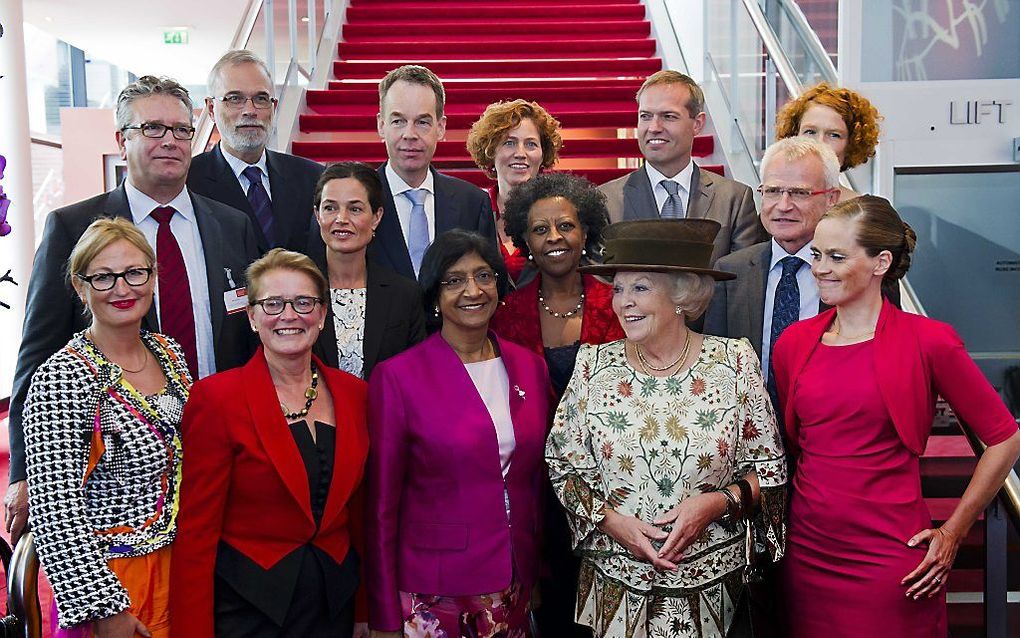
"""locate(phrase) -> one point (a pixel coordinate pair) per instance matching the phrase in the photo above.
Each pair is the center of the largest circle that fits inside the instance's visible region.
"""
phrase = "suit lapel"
(272, 430)
(389, 235)
(377, 308)
(702, 194)
(445, 206)
(212, 238)
(638, 199)
(283, 197)
(226, 186)
(351, 447)
(518, 394)
(753, 295)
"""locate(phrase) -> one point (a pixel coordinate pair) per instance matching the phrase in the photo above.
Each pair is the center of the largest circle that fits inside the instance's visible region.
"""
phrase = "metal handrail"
(205, 125)
(1010, 487)
(809, 37)
(772, 46)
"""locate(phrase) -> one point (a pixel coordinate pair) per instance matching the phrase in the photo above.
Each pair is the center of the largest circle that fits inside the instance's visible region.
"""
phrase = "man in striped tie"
(419, 203)
(202, 250)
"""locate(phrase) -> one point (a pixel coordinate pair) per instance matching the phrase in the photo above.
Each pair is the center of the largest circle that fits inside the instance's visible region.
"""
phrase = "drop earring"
(584, 251)
(679, 311)
(531, 257)
(436, 311)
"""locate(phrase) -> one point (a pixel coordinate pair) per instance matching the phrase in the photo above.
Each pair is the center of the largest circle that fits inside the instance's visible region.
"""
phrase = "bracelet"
(732, 505)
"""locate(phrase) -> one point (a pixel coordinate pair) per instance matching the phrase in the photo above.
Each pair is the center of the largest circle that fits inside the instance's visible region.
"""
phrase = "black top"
(318, 457)
(561, 365)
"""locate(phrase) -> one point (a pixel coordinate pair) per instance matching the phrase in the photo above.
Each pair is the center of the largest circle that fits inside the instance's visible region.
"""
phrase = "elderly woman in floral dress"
(662, 442)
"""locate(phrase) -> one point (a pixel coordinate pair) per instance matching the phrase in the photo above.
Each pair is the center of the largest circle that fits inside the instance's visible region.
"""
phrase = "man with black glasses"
(275, 189)
(202, 250)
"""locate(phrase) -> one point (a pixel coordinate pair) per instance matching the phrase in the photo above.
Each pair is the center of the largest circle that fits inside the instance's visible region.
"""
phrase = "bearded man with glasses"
(202, 247)
(274, 189)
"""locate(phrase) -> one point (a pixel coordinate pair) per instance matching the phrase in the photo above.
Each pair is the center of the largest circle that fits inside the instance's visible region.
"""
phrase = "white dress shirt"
(184, 226)
(404, 205)
(809, 298)
(238, 165)
(683, 178)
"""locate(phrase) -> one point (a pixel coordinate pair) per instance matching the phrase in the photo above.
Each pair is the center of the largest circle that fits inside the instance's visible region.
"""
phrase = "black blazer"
(394, 315)
(53, 312)
(292, 181)
(459, 204)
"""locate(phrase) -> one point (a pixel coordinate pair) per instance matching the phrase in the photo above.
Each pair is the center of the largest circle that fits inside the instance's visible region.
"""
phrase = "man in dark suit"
(774, 285)
(419, 202)
(275, 189)
(202, 249)
(670, 185)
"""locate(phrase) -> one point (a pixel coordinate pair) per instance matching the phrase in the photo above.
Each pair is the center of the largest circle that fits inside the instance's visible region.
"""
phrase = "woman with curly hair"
(556, 221)
(843, 119)
(511, 142)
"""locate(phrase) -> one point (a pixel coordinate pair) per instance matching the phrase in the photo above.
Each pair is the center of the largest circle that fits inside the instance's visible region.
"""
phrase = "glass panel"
(48, 71)
(802, 53)
(966, 269)
(951, 40)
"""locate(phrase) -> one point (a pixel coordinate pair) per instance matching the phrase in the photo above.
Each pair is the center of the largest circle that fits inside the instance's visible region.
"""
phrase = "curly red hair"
(499, 119)
(860, 116)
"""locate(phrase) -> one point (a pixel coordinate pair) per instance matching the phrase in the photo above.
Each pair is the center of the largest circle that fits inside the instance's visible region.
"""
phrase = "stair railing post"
(996, 557)
(292, 28)
(270, 40)
(312, 40)
(734, 66)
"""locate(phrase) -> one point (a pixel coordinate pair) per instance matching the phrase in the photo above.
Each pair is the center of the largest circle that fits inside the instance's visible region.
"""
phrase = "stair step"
(462, 120)
(562, 111)
(948, 446)
(453, 153)
(942, 508)
(425, 5)
(495, 49)
(399, 13)
(590, 95)
(476, 30)
(448, 69)
(631, 84)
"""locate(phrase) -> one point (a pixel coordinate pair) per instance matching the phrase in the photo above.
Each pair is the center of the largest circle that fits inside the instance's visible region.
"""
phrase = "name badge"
(235, 300)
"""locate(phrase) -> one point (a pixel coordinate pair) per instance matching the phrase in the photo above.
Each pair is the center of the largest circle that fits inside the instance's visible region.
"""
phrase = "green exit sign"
(175, 36)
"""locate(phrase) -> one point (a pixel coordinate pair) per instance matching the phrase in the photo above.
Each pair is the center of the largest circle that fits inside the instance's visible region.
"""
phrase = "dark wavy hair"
(364, 173)
(443, 253)
(589, 202)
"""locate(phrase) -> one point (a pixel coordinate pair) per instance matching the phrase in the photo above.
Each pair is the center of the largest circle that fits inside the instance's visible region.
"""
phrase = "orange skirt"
(147, 581)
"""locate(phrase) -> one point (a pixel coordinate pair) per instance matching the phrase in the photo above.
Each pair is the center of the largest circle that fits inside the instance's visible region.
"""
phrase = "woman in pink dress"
(857, 386)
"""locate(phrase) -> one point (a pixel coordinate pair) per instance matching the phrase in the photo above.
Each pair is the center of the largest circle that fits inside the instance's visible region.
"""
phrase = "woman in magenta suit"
(857, 385)
(458, 427)
(275, 455)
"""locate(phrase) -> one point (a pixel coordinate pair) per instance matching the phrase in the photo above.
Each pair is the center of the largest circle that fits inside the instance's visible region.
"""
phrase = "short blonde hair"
(282, 259)
(692, 292)
(668, 77)
(499, 119)
(99, 236)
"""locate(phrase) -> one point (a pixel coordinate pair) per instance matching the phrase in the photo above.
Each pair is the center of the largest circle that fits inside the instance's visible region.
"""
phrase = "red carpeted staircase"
(583, 60)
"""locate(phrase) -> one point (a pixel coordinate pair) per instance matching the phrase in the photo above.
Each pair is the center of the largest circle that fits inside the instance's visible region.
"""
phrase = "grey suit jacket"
(53, 312)
(738, 305)
(712, 197)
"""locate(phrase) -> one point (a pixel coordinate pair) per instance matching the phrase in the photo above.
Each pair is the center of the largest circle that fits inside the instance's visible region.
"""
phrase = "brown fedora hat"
(659, 245)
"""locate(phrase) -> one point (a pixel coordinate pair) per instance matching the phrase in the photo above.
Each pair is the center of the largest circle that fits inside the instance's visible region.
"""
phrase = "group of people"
(261, 397)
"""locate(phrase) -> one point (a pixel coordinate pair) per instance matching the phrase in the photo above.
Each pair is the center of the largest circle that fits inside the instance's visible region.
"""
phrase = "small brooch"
(520, 392)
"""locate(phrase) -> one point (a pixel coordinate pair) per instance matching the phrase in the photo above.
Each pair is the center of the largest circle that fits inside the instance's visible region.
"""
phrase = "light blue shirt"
(184, 226)
(238, 165)
(809, 299)
(404, 206)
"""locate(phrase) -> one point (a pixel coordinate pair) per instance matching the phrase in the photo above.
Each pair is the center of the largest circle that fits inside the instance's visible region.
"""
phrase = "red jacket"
(917, 359)
(245, 484)
(517, 320)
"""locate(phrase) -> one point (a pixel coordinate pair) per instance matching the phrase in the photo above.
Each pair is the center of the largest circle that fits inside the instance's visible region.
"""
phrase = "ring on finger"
(938, 581)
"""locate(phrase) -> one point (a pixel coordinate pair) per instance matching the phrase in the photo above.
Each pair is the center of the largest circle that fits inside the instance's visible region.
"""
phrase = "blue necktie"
(673, 207)
(418, 229)
(785, 311)
(260, 204)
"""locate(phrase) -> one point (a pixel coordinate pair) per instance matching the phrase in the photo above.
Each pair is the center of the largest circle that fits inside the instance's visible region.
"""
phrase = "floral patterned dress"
(639, 445)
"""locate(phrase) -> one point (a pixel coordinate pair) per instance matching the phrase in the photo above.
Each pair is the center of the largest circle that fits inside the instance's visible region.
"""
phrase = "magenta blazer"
(917, 359)
(435, 514)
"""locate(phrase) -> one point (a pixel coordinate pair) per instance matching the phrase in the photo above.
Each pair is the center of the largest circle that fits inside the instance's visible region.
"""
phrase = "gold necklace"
(311, 394)
(145, 355)
(835, 332)
(679, 360)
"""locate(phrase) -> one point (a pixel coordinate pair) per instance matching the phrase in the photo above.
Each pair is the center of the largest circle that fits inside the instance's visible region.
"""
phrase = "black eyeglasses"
(276, 305)
(106, 280)
(457, 283)
(237, 100)
(156, 131)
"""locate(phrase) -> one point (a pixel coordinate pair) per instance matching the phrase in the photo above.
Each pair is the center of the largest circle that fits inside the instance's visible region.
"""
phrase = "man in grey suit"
(670, 115)
(207, 247)
(800, 181)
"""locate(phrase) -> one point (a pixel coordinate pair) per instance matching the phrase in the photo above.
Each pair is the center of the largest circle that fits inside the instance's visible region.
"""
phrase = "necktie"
(673, 208)
(176, 316)
(785, 311)
(418, 229)
(258, 198)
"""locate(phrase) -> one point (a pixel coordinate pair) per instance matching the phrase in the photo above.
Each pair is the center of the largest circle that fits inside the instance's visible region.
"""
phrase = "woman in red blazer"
(458, 425)
(857, 385)
(275, 453)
